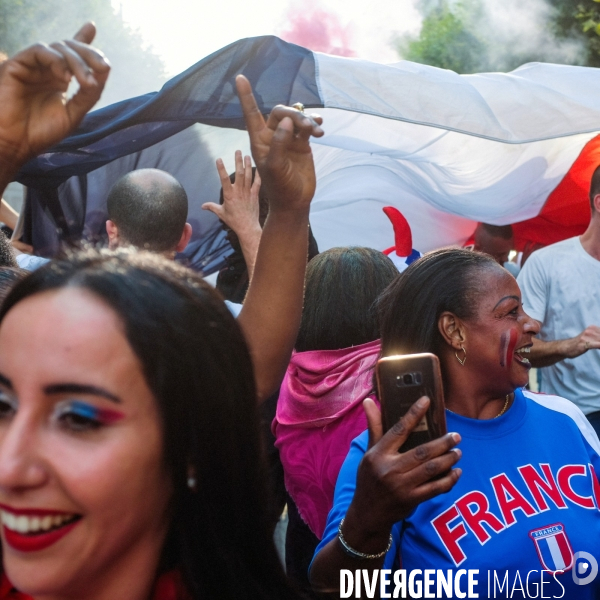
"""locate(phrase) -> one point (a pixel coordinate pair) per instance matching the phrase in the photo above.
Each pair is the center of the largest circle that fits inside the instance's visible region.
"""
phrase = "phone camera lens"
(408, 379)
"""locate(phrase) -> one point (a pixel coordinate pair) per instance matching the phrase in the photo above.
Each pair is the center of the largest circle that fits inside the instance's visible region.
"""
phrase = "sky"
(183, 31)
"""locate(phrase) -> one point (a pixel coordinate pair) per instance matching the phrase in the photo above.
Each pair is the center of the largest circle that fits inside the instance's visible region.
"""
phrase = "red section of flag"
(567, 210)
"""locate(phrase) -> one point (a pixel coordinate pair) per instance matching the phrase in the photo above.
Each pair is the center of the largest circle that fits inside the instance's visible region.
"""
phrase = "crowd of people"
(153, 429)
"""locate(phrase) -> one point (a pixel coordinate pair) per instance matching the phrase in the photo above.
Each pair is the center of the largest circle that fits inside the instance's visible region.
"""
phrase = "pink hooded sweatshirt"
(319, 413)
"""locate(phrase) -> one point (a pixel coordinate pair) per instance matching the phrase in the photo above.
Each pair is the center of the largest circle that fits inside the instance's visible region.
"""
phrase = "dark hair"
(197, 365)
(233, 280)
(342, 285)
(8, 278)
(595, 186)
(443, 280)
(502, 231)
(7, 255)
(150, 209)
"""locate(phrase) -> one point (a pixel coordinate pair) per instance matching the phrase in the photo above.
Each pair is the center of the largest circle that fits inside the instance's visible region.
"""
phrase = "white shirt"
(561, 289)
(30, 262)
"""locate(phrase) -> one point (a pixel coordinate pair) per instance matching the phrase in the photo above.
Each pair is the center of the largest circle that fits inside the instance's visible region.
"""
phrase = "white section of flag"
(559, 563)
(493, 148)
(536, 101)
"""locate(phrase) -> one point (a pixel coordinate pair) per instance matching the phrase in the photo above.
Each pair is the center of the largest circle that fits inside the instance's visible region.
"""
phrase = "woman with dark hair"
(130, 462)
(526, 498)
(319, 411)
(8, 278)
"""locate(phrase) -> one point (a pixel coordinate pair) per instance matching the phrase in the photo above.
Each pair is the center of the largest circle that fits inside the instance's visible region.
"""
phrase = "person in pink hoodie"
(320, 411)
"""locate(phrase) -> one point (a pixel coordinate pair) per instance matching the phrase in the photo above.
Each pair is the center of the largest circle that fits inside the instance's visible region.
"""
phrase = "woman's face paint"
(508, 342)
(83, 415)
(93, 452)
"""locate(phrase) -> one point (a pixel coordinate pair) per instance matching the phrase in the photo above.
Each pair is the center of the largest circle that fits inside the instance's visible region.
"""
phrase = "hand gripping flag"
(446, 150)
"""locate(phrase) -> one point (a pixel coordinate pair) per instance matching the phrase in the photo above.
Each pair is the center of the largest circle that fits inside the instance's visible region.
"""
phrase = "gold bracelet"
(355, 553)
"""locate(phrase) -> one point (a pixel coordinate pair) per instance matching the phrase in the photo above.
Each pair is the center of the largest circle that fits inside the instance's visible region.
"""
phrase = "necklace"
(504, 408)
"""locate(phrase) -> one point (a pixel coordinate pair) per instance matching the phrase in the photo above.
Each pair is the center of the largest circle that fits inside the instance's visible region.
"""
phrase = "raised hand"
(240, 210)
(391, 484)
(34, 112)
(281, 150)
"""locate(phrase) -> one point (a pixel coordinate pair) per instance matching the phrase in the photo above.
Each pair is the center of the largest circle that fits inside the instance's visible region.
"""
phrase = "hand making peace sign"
(281, 150)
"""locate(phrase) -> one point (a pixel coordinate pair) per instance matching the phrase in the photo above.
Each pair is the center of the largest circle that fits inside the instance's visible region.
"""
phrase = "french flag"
(553, 548)
(445, 150)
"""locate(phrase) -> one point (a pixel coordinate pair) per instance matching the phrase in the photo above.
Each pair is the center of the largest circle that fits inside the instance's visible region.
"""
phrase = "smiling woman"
(130, 463)
(526, 497)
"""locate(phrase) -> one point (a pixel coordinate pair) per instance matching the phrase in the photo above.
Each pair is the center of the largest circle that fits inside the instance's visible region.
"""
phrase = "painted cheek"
(508, 343)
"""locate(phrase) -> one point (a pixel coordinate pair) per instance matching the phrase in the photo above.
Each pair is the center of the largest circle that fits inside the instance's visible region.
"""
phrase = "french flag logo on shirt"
(553, 547)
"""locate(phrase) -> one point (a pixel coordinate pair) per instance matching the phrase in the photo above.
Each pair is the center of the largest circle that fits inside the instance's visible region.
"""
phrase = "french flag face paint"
(83, 410)
(508, 343)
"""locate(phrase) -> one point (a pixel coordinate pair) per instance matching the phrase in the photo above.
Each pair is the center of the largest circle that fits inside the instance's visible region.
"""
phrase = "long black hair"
(443, 280)
(342, 285)
(197, 365)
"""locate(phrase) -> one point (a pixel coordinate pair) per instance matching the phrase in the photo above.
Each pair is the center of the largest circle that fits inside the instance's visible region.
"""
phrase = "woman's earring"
(464, 358)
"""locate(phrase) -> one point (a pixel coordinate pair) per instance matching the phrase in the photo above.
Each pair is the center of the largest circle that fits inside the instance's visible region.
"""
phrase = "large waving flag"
(447, 150)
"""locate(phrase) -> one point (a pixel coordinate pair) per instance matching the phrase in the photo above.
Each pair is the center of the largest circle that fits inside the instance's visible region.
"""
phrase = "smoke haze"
(512, 32)
(518, 32)
(319, 30)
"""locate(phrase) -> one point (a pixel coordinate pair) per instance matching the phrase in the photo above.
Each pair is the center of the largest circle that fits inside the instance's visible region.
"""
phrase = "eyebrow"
(506, 298)
(76, 388)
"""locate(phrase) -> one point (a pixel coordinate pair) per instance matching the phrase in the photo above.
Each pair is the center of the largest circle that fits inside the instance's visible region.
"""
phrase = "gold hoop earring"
(464, 359)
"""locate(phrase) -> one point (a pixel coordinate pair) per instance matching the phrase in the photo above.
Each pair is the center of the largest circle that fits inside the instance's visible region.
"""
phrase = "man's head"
(595, 192)
(497, 241)
(148, 209)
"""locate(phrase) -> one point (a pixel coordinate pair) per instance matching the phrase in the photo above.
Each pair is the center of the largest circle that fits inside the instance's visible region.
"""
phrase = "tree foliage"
(587, 15)
(135, 69)
(462, 35)
(446, 41)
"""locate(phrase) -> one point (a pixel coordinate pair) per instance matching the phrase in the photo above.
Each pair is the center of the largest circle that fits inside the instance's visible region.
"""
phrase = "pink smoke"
(319, 30)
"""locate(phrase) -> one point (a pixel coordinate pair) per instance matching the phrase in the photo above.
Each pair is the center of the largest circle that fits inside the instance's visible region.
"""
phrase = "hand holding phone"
(390, 483)
(401, 381)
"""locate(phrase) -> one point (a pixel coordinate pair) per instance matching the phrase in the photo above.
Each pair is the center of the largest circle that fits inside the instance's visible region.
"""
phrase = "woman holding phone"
(526, 496)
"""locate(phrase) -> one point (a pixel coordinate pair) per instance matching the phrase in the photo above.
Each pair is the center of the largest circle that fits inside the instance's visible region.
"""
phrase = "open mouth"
(36, 530)
(521, 356)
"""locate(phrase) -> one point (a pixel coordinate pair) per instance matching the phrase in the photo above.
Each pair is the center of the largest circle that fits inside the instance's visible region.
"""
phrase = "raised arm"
(34, 112)
(272, 310)
(240, 208)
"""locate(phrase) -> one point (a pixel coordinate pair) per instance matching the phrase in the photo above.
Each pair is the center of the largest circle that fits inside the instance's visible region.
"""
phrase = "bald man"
(148, 209)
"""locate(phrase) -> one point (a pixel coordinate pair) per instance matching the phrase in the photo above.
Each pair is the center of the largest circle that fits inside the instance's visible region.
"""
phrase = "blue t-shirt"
(528, 500)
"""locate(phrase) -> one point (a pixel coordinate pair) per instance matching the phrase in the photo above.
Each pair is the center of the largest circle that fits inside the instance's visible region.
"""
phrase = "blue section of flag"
(280, 73)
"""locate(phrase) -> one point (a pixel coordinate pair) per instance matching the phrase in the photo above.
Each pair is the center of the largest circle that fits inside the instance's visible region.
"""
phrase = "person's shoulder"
(570, 411)
(546, 261)
(562, 248)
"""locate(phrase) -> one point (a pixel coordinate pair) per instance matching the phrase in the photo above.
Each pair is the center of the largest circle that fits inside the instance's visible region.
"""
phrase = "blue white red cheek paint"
(508, 342)
(103, 415)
